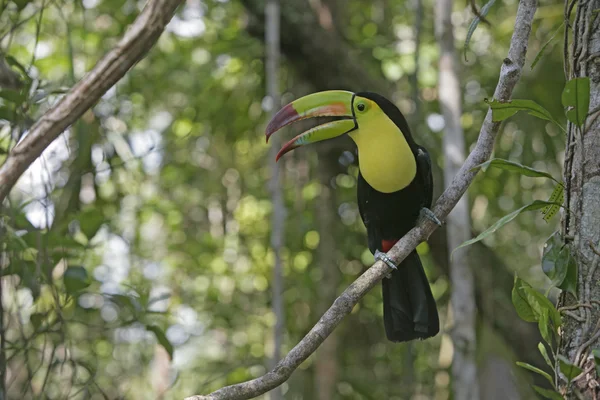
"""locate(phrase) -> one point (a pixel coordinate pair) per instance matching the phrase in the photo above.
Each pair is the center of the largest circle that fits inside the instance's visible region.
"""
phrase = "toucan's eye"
(361, 107)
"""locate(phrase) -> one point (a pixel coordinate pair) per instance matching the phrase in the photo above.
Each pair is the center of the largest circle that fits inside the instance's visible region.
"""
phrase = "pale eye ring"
(361, 107)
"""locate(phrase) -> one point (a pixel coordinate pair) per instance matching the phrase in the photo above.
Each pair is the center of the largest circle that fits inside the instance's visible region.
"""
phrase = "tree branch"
(136, 42)
(510, 73)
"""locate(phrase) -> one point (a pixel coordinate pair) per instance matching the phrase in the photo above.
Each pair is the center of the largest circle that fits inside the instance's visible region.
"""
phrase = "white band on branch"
(510, 72)
(138, 39)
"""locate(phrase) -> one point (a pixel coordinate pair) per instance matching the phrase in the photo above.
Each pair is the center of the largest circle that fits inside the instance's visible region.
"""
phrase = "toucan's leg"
(379, 255)
(427, 213)
(384, 257)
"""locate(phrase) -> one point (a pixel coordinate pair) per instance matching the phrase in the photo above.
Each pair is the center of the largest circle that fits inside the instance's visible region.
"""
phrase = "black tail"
(409, 310)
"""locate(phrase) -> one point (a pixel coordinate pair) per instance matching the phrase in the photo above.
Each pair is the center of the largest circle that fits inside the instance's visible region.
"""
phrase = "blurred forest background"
(144, 230)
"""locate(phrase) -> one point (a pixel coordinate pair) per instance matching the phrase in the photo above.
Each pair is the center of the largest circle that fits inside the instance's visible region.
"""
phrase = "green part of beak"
(319, 133)
(332, 103)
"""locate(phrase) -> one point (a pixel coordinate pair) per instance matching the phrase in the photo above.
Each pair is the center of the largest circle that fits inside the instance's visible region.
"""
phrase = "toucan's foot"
(427, 213)
(384, 257)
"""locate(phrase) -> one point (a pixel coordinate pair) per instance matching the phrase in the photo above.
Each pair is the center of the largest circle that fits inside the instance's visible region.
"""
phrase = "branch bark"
(462, 300)
(510, 73)
(136, 42)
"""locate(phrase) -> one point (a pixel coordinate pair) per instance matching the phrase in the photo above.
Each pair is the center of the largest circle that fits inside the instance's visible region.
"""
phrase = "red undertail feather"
(386, 245)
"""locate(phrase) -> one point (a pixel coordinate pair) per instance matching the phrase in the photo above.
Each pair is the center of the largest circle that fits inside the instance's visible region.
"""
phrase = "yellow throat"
(385, 159)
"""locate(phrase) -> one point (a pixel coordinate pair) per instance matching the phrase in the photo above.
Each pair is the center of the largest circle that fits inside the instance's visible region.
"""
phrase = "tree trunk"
(581, 225)
(326, 361)
(3, 367)
(278, 218)
(462, 300)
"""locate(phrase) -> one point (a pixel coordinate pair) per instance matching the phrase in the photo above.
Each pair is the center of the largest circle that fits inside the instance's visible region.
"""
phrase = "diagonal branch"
(136, 42)
(510, 73)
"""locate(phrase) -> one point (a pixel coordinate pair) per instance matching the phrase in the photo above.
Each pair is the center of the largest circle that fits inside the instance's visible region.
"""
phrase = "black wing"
(424, 169)
(368, 217)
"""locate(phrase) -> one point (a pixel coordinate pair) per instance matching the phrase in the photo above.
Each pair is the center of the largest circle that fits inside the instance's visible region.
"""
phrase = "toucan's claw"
(427, 213)
(384, 257)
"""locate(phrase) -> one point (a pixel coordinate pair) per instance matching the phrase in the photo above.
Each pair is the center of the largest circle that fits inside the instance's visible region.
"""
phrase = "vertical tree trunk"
(414, 119)
(278, 218)
(326, 362)
(581, 226)
(3, 367)
(464, 369)
(414, 77)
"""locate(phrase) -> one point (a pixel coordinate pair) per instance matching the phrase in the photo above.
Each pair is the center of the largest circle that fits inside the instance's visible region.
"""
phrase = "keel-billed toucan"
(394, 188)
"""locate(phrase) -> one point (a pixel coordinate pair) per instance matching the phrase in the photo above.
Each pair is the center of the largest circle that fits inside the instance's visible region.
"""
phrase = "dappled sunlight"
(139, 249)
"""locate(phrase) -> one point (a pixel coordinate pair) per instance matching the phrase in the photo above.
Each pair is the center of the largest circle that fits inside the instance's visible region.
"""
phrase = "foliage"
(142, 233)
(535, 205)
(504, 110)
(557, 262)
(516, 167)
(559, 265)
(483, 13)
(576, 100)
(542, 51)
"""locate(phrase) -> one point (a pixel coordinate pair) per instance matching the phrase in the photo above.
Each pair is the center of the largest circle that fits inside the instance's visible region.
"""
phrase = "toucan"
(394, 188)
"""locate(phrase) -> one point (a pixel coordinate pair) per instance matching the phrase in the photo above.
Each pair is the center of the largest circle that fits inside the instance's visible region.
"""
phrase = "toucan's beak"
(331, 103)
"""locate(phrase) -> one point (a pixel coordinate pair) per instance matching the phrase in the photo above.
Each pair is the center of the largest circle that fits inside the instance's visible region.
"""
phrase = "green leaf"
(7, 113)
(162, 339)
(569, 370)
(483, 12)
(76, 279)
(540, 53)
(536, 370)
(555, 259)
(569, 284)
(544, 353)
(90, 221)
(533, 306)
(557, 196)
(535, 205)
(596, 353)
(21, 4)
(543, 326)
(548, 393)
(56, 241)
(128, 302)
(520, 300)
(37, 319)
(540, 304)
(504, 110)
(13, 96)
(576, 100)
(14, 63)
(559, 264)
(515, 167)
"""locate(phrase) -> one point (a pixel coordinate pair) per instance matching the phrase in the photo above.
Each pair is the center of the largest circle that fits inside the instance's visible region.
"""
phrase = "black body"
(409, 309)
